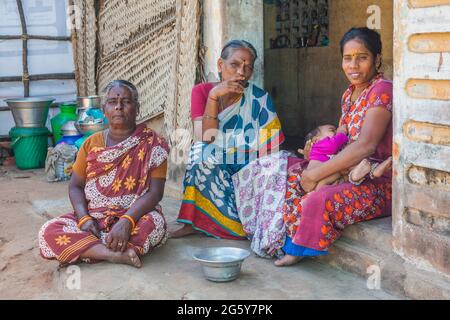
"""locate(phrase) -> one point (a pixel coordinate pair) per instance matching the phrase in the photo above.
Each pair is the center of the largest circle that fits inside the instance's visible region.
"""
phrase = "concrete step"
(348, 255)
(396, 276)
(375, 234)
(362, 246)
(423, 285)
(380, 269)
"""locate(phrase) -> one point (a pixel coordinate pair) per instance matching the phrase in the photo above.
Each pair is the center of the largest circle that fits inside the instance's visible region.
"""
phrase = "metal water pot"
(30, 112)
(89, 102)
(69, 129)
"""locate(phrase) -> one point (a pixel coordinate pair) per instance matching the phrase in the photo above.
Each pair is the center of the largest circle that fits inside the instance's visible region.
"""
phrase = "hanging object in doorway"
(300, 23)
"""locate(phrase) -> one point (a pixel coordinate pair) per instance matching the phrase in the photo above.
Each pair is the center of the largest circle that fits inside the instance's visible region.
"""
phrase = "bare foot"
(383, 167)
(287, 260)
(186, 230)
(361, 170)
(129, 257)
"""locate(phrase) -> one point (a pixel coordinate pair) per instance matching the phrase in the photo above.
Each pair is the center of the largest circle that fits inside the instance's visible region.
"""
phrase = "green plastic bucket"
(30, 146)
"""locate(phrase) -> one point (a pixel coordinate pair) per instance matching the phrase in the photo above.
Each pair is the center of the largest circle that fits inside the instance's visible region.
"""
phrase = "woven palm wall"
(84, 44)
(151, 43)
(137, 42)
(177, 115)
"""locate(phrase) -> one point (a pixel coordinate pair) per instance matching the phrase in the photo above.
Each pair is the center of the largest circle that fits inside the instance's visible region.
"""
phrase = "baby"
(326, 141)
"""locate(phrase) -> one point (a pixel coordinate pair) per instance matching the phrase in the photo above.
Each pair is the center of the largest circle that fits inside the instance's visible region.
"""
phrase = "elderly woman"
(314, 220)
(235, 123)
(117, 182)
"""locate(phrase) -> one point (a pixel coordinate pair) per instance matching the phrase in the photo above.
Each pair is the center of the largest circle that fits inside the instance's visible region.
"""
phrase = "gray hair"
(233, 45)
(126, 84)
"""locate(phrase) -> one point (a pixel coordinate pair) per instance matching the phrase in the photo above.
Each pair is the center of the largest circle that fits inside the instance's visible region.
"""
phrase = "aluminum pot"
(90, 128)
(30, 112)
(89, 102)
(69, 129)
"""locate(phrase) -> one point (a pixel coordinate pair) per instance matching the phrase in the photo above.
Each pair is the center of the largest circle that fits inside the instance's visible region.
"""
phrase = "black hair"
(311, 135)
(238, 44)
(370, 38)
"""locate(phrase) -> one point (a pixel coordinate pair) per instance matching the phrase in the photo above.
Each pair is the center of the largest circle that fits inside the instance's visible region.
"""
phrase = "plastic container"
(70, 139)
(30, 146)
(68, 112)
(80, 142)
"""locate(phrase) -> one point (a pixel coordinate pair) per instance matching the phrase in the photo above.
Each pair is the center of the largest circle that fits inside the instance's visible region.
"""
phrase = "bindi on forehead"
(243, 61)
(120, 91)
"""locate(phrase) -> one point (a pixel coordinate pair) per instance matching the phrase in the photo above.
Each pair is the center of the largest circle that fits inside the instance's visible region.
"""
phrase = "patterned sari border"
(194, 197)
(76, 247)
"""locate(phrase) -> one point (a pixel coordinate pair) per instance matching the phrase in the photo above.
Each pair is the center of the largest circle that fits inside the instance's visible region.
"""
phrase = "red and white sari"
(115, 178)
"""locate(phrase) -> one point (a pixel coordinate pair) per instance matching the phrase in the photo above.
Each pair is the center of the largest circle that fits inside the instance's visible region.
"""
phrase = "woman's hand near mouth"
(232, 86)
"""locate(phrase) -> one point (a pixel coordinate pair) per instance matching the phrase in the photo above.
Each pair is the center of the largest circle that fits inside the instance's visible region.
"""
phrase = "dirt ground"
(27, 200)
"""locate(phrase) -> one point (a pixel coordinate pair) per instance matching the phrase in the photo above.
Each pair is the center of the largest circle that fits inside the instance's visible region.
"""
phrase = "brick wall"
(421, 200)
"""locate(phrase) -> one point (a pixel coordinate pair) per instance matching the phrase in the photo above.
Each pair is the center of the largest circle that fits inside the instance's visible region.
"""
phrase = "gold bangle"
(216, 100)
(209, 117)
(133, 223)
(83, 220)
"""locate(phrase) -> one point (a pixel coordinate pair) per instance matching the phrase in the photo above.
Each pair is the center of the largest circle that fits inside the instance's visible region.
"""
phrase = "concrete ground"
(27, 200)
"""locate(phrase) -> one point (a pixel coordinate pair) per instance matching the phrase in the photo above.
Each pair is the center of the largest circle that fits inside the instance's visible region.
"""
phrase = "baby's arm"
(328, 180)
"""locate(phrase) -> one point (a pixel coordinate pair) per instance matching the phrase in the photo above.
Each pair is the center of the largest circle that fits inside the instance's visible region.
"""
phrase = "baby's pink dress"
(323, 149)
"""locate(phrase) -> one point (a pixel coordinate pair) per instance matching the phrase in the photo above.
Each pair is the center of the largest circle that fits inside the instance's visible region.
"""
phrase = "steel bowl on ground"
(221, 264)
(30, 112)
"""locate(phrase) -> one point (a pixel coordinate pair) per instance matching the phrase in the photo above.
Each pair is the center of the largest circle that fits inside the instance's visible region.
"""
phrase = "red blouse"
(377, 94)
(199, 98)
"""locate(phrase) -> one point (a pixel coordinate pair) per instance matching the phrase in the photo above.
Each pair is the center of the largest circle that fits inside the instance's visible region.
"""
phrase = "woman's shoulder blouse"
(378, 94)
(199, 98)
(94, 141)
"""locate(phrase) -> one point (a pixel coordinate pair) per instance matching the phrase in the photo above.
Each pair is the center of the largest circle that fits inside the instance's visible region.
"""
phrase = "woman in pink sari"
(315, 220)
(117, 182)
